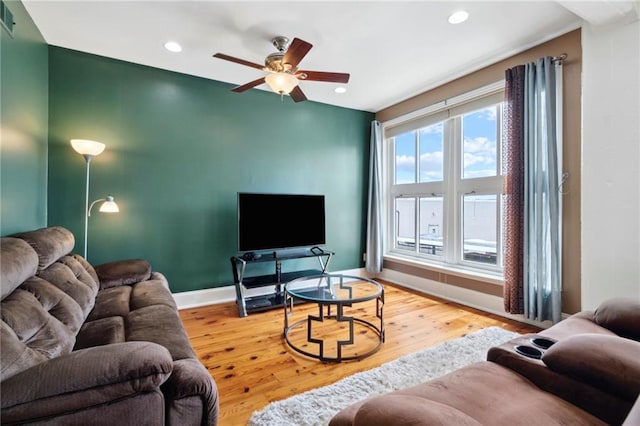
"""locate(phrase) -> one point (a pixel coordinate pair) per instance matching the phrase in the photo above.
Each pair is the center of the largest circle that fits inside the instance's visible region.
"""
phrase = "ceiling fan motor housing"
(273, 62)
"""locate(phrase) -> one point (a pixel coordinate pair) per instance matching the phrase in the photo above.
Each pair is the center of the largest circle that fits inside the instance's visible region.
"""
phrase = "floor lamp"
(89, 149)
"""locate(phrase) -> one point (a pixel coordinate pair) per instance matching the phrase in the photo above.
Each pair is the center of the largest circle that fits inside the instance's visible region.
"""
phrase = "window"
(443, 184)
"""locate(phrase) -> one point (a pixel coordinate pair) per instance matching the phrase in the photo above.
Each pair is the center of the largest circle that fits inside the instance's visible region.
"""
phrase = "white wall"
(610, 162)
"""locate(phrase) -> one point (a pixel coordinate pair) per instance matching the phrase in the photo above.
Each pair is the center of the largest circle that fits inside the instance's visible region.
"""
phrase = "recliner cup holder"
(542, 342)
(528, 351)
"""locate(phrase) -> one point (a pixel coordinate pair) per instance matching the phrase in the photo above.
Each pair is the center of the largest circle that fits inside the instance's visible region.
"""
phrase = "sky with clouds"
(479, 130)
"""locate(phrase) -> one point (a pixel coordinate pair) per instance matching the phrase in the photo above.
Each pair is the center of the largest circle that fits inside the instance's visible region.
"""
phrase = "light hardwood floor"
(252, 365)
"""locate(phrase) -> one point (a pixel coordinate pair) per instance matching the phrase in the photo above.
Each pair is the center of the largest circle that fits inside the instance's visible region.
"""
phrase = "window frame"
(452, 188)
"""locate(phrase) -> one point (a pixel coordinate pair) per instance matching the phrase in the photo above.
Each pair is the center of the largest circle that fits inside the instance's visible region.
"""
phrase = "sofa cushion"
(123, 272)
(30, 334)
(152, 292)
(160, 324)
(16, 356)
(55, 302)
(485, 391)
(49, 243)
(120, 300)
(101, 332)
(111, 302)
(87, 267)
(18, 261)
(410, 410)
(582, 322)
(73, 281)
(610, 363)
(620, 315)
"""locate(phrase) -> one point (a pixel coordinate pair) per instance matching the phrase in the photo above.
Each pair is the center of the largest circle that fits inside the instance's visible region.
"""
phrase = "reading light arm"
(109, 205)
(92, 204)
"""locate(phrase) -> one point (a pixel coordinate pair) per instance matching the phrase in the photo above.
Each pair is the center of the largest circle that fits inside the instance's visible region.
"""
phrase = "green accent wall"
(179, 149)
(23, 124)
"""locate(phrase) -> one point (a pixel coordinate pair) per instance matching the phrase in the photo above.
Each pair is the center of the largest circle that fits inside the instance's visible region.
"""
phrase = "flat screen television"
(280, 221)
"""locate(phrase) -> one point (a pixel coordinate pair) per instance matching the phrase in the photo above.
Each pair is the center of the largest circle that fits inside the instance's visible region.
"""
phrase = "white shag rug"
(316, 407)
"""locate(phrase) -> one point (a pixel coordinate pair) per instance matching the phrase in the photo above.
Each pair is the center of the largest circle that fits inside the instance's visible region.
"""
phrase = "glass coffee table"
(347, 324)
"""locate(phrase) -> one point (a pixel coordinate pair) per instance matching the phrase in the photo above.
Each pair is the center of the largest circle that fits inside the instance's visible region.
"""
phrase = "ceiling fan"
(282, 68)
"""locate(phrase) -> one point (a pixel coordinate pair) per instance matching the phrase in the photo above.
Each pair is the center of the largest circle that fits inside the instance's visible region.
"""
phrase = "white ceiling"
(393, 50)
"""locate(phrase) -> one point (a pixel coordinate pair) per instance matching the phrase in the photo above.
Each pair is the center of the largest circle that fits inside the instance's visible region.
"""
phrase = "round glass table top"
(334, 288)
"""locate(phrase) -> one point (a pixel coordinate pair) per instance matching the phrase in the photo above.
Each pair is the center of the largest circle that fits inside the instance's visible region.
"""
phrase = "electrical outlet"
(364, 257)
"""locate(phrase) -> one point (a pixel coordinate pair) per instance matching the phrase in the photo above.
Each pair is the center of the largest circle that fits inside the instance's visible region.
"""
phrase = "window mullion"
(389, 182)
(416, 223)
(449, 189)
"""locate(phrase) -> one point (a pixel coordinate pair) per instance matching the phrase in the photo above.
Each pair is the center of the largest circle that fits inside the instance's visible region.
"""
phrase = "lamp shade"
(109, 206)
(281, 82)
(87, 147)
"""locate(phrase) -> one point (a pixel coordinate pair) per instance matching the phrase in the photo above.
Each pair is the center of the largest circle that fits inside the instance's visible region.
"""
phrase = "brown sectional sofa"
(101, 346)
(589, 375)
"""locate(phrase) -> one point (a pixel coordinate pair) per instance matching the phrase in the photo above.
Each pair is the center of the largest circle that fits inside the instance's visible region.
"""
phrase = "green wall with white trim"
(179, 148)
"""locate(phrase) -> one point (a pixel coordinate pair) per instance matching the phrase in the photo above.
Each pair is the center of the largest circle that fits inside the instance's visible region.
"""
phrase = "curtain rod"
(560, 57)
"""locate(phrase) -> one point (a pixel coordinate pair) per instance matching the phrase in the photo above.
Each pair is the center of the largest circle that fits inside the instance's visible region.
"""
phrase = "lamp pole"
(88, 149)
(88, 158)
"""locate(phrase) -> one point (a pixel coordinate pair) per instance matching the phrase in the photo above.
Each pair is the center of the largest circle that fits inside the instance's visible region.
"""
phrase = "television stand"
(244, 282)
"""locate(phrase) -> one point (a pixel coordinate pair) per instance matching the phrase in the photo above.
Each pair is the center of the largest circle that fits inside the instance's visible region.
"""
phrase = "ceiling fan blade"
(296, 51)
(248, 86)
(297, 94)
(237, 61)
(333, 77)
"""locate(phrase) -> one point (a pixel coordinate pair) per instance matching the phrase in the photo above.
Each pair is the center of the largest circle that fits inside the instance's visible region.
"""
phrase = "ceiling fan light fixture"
(281, 82)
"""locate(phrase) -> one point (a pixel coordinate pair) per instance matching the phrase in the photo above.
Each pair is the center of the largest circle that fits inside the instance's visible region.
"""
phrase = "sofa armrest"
(607, 406)
(123, 272)
(85, 378)
(610, 363)
(621, 316)
(191, 379)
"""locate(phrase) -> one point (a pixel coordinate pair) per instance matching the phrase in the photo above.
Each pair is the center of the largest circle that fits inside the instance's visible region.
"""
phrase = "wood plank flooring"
(252, 365)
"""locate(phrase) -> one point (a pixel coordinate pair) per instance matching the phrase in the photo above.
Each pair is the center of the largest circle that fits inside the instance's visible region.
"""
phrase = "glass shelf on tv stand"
(243, 283)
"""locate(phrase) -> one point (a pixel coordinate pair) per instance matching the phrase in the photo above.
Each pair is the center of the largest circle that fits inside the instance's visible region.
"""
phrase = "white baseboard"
(471, 298)
(213, 296)
(207, 296)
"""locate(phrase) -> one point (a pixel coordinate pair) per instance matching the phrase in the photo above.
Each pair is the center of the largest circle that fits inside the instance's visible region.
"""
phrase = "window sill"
(466, 273)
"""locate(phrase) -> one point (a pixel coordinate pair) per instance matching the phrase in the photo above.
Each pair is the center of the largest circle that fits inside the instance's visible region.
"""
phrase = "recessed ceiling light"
(458, 17)
(172, 46)
(340, 89)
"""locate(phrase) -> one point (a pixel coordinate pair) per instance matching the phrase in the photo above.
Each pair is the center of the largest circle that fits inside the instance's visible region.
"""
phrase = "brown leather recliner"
(589, 375)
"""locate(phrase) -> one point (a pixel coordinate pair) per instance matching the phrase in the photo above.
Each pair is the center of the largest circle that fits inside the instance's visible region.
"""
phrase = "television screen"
(278, 221)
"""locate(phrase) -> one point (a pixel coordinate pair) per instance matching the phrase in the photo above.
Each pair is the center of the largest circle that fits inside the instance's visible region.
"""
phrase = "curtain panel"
(513, 194)
(374, 254)
(533, 208)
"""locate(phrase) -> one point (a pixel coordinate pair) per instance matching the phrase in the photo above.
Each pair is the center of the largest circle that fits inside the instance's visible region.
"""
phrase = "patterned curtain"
(533, 206)
(513, 194)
